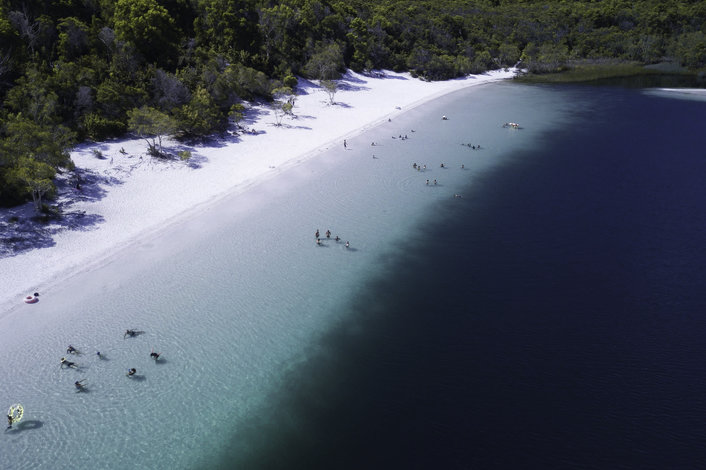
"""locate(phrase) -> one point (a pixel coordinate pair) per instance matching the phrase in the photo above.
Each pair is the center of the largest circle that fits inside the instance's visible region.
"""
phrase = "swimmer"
(317, 233)
(348, 245)
(71, 350)
(434, 181)
(442, 165)
(154, 355)
(98, 353)
(338, 239)
(318, 241)
(427, 182)
(458, 196)
(328, 233)
(463, 166)
(129, 333)
(414, 165)
(79, 385)
(10, 419)
(65, 363)
(131, 372)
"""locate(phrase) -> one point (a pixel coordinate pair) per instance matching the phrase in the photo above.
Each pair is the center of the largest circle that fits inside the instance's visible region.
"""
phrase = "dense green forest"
(94, 69)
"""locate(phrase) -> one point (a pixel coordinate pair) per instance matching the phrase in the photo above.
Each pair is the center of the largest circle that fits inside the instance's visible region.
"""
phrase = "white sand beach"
(125, 194)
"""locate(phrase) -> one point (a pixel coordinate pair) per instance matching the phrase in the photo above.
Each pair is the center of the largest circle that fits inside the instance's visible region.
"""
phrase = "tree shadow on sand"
(22, 229)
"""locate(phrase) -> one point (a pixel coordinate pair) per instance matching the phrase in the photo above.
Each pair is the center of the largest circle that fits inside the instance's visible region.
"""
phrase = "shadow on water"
(25, 425)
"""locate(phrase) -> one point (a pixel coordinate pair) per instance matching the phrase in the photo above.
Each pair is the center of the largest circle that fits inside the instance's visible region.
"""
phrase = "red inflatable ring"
(30, 299)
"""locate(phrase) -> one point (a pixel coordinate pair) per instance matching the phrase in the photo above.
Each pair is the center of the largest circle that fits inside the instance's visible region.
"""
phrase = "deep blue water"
(556, 320)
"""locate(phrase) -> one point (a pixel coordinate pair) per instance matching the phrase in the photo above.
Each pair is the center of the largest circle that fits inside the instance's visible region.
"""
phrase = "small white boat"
(513, 125)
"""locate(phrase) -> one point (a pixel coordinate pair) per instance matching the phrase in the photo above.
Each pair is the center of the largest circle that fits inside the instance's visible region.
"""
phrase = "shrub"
(100, 128)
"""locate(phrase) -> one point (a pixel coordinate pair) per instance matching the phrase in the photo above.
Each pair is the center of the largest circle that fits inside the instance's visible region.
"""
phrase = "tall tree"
(151, 124)
(149, 28)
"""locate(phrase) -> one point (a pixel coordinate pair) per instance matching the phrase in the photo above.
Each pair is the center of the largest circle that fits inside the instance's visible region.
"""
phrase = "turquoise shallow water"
(238, 298)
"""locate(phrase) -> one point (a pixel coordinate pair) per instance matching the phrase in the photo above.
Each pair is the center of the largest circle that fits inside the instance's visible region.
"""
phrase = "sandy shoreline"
(126, 197)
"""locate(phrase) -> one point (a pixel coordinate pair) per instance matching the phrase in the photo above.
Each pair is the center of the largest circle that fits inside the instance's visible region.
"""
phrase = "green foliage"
(79, 66)
(97, 127)
(228, 26)
(326, 63)
(690, 49)
(200, 117)
(284, 99)
(151, 125)
(37, 179)
(330, 87)
(237, 113)
(290, 81)
(147, 26)
(73, 38)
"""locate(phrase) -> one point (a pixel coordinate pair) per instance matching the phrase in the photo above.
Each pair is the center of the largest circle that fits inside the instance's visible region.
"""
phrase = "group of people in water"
(80, 385)
(337, 239)
(472, 146)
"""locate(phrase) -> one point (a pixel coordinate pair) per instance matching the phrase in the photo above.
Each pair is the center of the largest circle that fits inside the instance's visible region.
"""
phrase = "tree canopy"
(78, 69)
